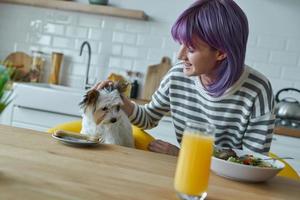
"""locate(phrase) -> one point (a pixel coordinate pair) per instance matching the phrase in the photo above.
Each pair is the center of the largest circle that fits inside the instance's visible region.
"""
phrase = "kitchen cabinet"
(40, 120)
(80, 7)
(42, 106)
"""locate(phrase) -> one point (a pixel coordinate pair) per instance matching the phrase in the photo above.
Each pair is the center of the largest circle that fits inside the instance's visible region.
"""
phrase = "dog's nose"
(113, 120)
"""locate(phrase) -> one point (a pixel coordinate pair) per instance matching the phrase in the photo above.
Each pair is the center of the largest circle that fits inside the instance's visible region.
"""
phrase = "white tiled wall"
(274, 35)
(121, 44)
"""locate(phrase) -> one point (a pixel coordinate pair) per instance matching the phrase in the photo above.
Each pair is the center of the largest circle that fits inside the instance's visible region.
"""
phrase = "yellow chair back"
(74, 126)
(288, 171)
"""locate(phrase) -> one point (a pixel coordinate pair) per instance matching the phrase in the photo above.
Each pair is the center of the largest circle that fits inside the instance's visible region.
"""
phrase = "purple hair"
(222, 25)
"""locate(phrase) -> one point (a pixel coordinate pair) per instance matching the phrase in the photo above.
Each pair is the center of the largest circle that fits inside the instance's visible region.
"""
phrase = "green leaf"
(5, 74)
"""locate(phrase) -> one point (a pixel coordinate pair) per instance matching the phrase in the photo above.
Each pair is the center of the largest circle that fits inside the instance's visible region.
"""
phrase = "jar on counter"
(37, 66)
(57, 59)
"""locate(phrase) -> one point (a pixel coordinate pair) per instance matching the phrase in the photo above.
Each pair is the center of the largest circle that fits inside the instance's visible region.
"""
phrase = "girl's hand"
(102, 84)
(160, 146)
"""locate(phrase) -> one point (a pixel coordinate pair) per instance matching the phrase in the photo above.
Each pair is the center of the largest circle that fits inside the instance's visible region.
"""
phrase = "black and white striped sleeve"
(258, 136)
(147, 116)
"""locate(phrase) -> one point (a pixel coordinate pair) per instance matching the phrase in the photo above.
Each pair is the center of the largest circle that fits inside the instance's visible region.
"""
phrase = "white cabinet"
(40, 120)
(42, 106)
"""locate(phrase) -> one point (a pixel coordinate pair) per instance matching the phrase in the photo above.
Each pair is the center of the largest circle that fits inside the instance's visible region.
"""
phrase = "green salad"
(231, 156)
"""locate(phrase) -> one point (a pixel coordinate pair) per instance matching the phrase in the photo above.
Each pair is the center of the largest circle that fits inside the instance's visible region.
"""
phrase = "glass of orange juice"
(193, 165)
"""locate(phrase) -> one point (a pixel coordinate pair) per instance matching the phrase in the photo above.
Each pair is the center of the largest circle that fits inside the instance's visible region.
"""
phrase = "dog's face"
(104, 105)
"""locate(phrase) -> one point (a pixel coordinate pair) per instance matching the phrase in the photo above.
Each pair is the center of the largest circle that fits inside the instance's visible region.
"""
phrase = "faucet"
(85, 43)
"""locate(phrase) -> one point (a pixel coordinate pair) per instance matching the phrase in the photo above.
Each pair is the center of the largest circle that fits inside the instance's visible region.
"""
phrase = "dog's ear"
(90, 98)
(121, 86)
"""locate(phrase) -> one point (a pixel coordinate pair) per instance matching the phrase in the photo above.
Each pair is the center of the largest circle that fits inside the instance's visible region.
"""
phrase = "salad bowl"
(246, 166)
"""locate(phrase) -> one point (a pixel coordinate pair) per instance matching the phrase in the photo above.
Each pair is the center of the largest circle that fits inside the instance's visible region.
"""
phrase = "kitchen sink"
(48, 97)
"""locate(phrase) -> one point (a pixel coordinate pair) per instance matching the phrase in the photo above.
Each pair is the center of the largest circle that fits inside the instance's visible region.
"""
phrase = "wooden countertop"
(280, 130)
(35, 166)
(140, 101)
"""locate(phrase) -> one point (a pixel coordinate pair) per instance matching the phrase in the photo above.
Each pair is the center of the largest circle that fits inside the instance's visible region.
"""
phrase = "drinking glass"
(193, 165)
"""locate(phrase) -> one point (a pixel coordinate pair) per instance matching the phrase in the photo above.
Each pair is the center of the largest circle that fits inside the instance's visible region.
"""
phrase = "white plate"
(75, 141)
(241, 172)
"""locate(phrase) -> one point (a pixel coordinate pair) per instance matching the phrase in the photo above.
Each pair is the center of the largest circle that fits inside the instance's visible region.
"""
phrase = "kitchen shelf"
(80, 7)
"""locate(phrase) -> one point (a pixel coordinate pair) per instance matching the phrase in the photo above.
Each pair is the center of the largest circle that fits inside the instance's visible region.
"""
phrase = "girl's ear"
(221, 55)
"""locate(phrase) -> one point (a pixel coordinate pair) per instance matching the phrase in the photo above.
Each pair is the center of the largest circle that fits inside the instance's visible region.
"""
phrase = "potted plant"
(5, 93)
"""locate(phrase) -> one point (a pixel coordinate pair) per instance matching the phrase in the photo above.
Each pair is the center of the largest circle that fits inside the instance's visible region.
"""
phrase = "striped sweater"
(243, 115)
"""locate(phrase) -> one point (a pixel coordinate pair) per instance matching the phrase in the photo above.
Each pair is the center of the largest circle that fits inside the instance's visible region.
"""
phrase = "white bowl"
(241, 172)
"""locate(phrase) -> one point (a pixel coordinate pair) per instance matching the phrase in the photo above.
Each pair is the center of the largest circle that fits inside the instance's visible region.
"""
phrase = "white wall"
(274, 41)
(120, 44)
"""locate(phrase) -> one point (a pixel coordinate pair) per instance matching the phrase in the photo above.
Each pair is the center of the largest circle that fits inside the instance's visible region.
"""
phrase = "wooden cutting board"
(154, 75)
(19, 60)
(22, 63)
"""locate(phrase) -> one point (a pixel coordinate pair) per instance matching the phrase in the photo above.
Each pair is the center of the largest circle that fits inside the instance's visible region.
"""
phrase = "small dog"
(103, 118)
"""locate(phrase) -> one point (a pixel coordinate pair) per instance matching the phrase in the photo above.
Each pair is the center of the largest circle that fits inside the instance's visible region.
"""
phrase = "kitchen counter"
(280, 130)
(140, 101)
(35, 166)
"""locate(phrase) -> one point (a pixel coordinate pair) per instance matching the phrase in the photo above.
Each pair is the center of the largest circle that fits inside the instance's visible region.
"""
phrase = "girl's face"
(202, 60)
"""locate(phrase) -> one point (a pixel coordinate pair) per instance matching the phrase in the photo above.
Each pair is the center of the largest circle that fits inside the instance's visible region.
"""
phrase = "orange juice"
(193, 166)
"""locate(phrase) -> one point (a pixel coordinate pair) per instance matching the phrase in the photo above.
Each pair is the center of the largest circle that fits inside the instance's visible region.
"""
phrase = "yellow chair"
(142, 140)
(288, 171)
(141, 137)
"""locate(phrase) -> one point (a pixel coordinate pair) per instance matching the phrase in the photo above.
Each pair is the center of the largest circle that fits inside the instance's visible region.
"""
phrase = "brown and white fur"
(103, 118)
